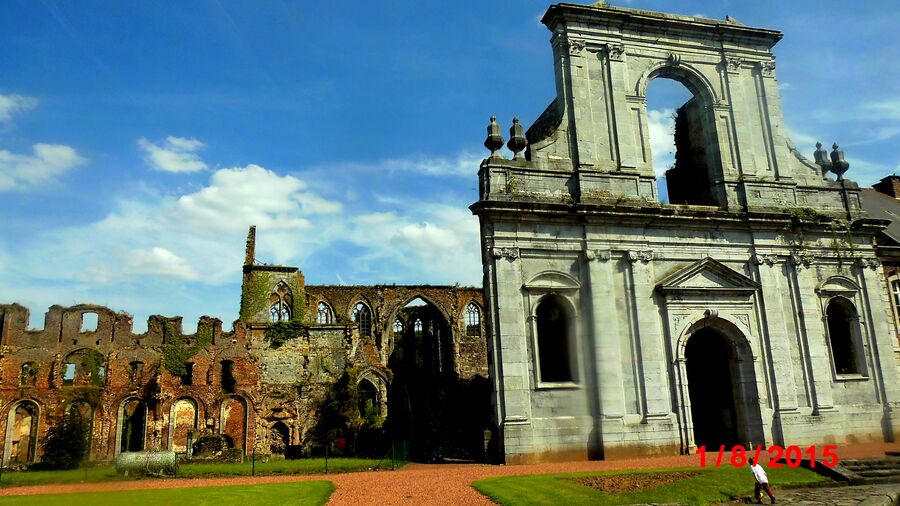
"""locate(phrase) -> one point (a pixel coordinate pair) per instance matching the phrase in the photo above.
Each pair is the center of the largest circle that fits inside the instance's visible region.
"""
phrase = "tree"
(66, 444)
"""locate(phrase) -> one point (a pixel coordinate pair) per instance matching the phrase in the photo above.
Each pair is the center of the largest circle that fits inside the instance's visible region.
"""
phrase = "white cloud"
(47, 161)
(10, 105)
(173, 154)
(662, 139)
(159, 262)
(464, 165)
(885, 109)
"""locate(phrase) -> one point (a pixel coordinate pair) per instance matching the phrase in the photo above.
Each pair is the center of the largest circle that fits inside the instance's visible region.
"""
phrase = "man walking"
(762, 482)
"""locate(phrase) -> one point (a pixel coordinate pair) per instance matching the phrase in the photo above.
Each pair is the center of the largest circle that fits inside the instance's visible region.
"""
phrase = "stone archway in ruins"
(422, 392)
(719, 391)
(20, 445)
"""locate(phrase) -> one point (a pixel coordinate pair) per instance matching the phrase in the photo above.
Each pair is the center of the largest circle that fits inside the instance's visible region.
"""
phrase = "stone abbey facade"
(416, 352)
(749, 310)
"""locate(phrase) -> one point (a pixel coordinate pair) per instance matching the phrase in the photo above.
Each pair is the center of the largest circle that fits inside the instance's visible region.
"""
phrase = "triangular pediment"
(707, 275)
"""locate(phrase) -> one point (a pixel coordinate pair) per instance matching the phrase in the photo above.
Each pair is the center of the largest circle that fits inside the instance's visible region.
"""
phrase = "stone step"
(877, 473)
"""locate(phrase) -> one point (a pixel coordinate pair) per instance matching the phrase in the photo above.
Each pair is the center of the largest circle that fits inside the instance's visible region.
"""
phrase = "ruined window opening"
(398, 326)
(135, 371)
(473, 320)
(362, 315)
(133, 425)
(680, 132)
(68, 374)
(841, 317)
(29, 374)
(895, 290)
(228, 379)
(323, 314)
(22, 433)
(188, 377)
(89, 322)
(369, 406)
(554, 341)
(281, 303)
(417, 328)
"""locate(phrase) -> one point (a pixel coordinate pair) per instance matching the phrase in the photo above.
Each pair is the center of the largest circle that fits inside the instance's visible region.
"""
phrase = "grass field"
(713, 485)
(108, 473)
(312, 493)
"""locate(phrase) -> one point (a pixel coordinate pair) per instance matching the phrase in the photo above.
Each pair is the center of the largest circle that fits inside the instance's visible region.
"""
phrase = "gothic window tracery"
(473, 320)
(281, 303)
(323, 314)
(362, 316)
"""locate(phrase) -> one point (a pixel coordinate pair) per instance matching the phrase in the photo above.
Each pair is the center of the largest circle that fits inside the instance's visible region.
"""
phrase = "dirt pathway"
(446, 484)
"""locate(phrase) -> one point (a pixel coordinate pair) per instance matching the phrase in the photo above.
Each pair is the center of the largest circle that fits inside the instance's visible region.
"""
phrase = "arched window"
(842, 335)
(21, 433)
(417, 327)
(369, 407)
(323, 314)
(473, 320)
(362, 315)
(554, 341)
(84, 367)
(398, 326)
(281, 303)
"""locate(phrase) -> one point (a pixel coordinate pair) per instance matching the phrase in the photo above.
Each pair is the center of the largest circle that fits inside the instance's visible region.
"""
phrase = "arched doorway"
(21, 433)
(279, 437)
(133, 425)
(422, 394)
(722, 390)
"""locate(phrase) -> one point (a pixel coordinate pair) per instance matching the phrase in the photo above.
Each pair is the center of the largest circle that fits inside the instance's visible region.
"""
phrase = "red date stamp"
(792, 455)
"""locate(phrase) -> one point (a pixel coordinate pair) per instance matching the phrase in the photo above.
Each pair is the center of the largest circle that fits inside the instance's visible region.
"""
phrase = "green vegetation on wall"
(255, 295)
(177, 352)
(279, 332)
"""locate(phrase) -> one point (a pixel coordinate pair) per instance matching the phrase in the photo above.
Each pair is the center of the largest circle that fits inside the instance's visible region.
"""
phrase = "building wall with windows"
(259, 384)
(752, 311)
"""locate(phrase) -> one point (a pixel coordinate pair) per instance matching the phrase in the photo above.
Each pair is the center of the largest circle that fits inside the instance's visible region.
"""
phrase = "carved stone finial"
(838, 164)
(821, 157)
(494, 139)
(517, 141)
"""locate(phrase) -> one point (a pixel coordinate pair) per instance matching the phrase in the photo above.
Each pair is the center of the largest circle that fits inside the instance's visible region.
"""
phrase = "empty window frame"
(473, 320)
(362, 315)
(228, 379)
(323, 314)
(842, 335)
(188, 377)
(282, 302)
(554, 341)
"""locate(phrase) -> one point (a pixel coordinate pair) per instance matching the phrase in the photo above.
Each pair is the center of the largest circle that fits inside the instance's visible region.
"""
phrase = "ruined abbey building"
(416, 353)
(749, 310)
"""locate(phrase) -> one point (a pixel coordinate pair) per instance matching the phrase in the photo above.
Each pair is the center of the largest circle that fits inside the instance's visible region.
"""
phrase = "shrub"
(67, 442)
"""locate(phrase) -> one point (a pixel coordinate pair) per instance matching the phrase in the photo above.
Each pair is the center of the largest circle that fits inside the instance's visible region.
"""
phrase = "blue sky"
(139, 140)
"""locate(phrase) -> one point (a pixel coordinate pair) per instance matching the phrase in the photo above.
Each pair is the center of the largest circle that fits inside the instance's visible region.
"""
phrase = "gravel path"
(437, 484)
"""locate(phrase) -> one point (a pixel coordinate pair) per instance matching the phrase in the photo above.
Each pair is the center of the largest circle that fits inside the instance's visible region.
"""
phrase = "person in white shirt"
(762, 482)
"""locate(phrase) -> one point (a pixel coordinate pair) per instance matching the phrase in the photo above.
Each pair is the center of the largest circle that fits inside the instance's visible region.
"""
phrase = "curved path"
(437, 484)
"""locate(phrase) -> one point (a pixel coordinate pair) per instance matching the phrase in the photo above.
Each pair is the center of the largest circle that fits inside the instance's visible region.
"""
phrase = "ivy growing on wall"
(279, 332)
(177, 352)
(91, 363)
(255, 296)
(90, 394)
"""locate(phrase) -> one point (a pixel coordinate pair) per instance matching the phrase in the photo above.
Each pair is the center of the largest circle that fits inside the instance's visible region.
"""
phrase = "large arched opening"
(132, 425)
(21, 433)
(722, 389)
(682, 137)
(422, 395)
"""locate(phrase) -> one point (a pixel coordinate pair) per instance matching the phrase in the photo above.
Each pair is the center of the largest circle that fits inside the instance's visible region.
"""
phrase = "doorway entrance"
(712, 378)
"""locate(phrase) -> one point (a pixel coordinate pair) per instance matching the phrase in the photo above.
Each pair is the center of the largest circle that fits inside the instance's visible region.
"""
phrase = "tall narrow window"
(188, 377)
(895, 292)
(28, 374)
(362, 315)
(281, 302)
(228, 380)
(417, 327)
(398, 326)
(554, 341)
(841, 317)
(323, 314)
(473, 320)
(136, 371)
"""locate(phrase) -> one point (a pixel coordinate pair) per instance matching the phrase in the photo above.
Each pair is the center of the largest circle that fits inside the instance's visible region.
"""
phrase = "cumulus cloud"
(46, 162)
(173, 154)
(662, 139)
(10, 105)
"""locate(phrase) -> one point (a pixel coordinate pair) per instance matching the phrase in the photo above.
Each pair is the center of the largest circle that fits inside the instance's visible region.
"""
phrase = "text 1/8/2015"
(793, 455)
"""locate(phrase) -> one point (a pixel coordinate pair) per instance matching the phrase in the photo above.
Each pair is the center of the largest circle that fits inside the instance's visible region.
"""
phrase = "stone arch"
(328, 317)
(131, 433)
(692, 78)
(380, 383)
(554, 358)
(279, 437)
(184, 416)
(22, 432)
(735, 366)
(467, 330)
(234, 420)
(845, 342)
(84, 366)
(388, 330)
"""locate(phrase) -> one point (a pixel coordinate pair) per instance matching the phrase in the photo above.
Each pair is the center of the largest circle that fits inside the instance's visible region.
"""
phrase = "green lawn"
(714, 485)
(108, 473)
(312, 493)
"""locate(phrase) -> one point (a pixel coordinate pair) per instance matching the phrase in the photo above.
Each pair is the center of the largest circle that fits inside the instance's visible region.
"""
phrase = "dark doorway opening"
(134, 418)
(429, 405)
(280, 437)
(710, 368)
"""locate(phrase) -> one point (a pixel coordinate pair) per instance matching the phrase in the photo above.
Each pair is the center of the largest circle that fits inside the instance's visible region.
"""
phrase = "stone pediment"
(707, 276)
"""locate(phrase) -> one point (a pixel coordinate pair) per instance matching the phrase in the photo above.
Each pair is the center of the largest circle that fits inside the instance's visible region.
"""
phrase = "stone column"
(812, 335)
(774, 128)
(881, 340)
(618, 85)
(650, 343)
(606, 334)
(748, 156)
(776, 334)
